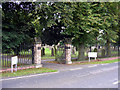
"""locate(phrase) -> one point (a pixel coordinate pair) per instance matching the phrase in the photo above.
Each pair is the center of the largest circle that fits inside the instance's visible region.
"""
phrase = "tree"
(0, 27)
(109, 16)
(16, 27)
(52, 32)
(53, 35)
(89, 19)
(85, 26)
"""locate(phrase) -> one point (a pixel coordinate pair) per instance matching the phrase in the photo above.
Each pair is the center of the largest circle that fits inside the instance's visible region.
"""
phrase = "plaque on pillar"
(67, 47)
(39, 48)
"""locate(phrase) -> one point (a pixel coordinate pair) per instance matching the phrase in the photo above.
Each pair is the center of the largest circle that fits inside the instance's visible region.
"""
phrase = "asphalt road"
(91, 76)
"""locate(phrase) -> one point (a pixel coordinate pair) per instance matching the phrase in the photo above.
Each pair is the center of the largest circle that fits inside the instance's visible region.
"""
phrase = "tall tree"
(85, 27)
(16, 27)
(109, 17)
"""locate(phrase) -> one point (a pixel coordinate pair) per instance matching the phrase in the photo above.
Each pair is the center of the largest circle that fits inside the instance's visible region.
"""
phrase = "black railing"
(25, 55)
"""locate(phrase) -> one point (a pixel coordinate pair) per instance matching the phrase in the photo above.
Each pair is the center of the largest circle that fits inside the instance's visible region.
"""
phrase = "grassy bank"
(27, 72)
(98, 62)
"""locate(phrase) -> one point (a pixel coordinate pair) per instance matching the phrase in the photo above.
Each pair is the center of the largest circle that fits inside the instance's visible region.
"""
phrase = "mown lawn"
(27, 72)
(98, 62)
(48, 54)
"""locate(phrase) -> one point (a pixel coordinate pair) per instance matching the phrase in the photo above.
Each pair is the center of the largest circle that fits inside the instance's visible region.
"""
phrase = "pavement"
(63, 67)
(70, 76)
(60, 67)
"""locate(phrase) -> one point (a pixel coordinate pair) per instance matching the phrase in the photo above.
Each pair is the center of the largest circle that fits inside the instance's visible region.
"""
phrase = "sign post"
(14, 61)
(92, 54)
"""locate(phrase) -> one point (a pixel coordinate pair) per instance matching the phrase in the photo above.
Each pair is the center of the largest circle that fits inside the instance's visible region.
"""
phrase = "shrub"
(95, 50)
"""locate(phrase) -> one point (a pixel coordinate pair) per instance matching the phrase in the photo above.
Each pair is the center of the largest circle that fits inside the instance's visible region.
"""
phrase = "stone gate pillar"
(37, 53)
(68, 53)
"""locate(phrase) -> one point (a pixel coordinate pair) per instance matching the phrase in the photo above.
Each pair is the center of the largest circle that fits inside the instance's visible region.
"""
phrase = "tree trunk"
(118, 50)
(96, 43)
(108, 52)
(52, 52)
(90, 49)
(114, 47)
(32, 54)
(81, 51)
(16, 51)
(43, 52)
(99, 47)
(55, 52)
(103, 52)
(73, 50)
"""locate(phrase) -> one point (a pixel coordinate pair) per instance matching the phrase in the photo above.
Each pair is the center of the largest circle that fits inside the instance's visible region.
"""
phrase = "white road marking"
(116, 82)
(112, 68)
(102, 70)
(95, 72)
(28, 76)
(92, 66)
(75, 69)
(104, 64)
(83, 75)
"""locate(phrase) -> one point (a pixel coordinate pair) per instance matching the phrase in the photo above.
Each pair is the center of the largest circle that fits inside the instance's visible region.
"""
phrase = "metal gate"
(61, 54)
(25, 55)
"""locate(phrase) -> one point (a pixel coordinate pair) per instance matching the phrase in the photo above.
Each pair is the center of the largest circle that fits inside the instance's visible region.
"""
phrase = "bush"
(95, 50)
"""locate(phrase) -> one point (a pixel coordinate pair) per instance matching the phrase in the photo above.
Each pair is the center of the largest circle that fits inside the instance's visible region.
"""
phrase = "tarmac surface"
(70, 76)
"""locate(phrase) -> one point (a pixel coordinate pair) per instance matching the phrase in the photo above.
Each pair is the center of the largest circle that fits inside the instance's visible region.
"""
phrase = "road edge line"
(27, 76)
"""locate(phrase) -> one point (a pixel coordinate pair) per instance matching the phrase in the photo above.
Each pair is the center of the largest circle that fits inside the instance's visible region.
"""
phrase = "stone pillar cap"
(38, 40)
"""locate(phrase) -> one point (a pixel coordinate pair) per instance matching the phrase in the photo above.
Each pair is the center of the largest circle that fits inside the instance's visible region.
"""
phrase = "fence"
(113, 52)
(25, 55)
(100, 53)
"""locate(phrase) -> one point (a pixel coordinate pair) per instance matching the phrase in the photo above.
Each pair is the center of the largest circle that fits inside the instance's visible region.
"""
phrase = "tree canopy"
(84, 23)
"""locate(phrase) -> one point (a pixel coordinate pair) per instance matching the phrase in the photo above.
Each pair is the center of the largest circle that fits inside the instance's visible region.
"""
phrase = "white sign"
(92, 54)
(14, 61)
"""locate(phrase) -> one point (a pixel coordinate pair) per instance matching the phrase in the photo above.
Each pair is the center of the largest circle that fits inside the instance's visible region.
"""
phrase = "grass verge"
(98, 62)
(27, 72)
(47, 57)
(52, 62)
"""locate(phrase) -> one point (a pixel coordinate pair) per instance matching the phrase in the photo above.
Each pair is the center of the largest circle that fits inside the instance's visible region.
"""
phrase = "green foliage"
(16, 27)
(110, 22)
(27, 72)
(86, 22)
(82, 22)
(95, 50)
